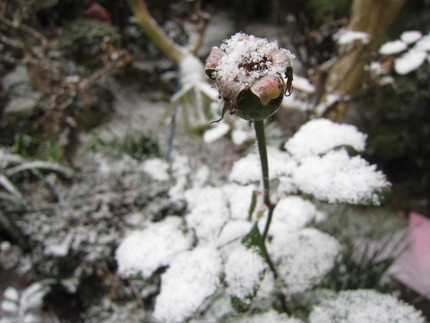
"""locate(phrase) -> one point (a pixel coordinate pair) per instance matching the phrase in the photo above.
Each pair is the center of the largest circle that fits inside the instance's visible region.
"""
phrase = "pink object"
(412, 268)
(97, 12)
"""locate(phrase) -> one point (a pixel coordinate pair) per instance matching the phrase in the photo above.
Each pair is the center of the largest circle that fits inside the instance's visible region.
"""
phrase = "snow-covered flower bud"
(252, 75)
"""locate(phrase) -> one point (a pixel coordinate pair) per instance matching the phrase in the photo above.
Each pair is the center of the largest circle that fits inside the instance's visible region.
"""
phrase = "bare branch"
(169, 48)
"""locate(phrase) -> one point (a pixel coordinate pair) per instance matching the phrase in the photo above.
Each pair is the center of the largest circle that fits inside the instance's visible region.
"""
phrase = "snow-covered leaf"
(303, 257)
(410, 61)
(319, 136)
(208, 212)
(338, 178)
(244, 270)
(393, 47)
(143, 252)
(411, 36)
(192, 277)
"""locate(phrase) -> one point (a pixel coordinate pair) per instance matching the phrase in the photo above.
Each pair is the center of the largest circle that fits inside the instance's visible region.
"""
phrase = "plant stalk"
(262, 151)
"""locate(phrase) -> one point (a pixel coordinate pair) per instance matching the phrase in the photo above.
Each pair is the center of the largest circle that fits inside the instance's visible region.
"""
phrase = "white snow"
(216, 132)
(339, 178)
(411, 36)
(242, 48)
(349, 36)
(232, 230)
(409, 61)
(319, 136)
(393, 47)
(157, 168)
(192, 277)
(270, 316)
(143, 252)
(303, 257)
(293, 213)
(208, 212)
(423, 43)
(244, 270)
(303, 84)
(358, 306)
(248, 170)
(11, 293)
(239, 199)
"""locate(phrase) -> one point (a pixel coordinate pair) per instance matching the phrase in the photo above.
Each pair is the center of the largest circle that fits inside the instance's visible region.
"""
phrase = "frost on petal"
(208, 212)
(244, 270)
(393, 47)
(338, 178)
(143, 252)
(242, 49)
(270, 316)
(357, 306)
(319, 136)
(192, 277)
(409, 61)
(411, 36)
(303, 257)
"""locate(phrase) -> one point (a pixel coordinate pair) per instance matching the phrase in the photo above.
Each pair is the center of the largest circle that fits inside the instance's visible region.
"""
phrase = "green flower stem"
(262, 150)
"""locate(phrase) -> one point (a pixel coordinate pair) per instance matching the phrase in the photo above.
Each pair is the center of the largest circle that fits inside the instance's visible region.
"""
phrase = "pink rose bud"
(251, 74)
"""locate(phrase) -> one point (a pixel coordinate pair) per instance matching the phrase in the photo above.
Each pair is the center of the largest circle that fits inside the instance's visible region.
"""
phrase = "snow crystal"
(303, 84)
(411, 36)
(303, 257)
(157, 168)
(338, 178)
(348, 36)
(242, 48)
(393, 47)
(143, 252)
(318, 136)
(270, 316)
(357, 306)
(208, 212)
(423, 44)
(192, 277)
(244, 270)
(409, 61)
(216, 132)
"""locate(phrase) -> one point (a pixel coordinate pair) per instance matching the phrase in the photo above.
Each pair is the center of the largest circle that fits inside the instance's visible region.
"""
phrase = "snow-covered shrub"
(224, 249)
(358, 306)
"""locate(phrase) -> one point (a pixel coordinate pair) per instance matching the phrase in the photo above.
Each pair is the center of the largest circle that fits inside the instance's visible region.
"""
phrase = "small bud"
(249, 73)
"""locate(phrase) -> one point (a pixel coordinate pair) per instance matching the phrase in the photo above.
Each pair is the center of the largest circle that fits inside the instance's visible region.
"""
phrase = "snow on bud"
(251, 74)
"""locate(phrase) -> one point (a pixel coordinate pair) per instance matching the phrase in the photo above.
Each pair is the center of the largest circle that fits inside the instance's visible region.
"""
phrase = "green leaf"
(253, 204)
(254, 239)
